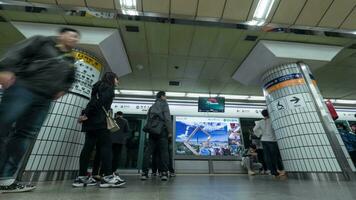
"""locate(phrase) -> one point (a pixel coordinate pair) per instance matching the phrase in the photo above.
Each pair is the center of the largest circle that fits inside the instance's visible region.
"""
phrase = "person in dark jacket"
(159, 108)
(95, 127)
(349, 140)
(118, 140)
(32, 73)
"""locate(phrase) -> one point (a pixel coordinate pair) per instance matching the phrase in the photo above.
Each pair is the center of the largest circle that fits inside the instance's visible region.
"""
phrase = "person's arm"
(257, 129)
(20, 52)
(10, 63)
(167, 119)
(106, 96)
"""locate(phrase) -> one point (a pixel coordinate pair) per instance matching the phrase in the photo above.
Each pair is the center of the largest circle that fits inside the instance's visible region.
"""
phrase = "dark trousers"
(156, 159)
(261, 159)
(103, 139)
(272, 157)
(26, 111)
(154, 142)
(116, 156)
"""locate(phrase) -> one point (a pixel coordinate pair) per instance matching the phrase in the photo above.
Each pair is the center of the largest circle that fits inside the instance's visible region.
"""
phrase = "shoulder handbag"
(154, 123)
(110, 122)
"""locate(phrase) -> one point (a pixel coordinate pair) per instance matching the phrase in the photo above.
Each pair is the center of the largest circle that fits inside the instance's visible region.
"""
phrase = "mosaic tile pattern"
(301, 137)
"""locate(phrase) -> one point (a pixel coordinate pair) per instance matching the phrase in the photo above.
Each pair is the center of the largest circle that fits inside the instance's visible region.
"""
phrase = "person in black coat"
(95, 127)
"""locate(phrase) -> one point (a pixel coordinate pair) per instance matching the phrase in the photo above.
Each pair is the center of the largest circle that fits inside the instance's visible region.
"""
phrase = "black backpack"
(155, 123)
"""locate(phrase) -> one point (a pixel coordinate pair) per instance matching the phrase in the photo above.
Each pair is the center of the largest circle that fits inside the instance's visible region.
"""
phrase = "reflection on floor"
(189, 187)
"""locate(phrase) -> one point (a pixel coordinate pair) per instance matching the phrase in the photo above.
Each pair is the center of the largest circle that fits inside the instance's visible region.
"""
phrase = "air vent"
(174, 83)
(132, 29)
(251, 38)
(353, 46)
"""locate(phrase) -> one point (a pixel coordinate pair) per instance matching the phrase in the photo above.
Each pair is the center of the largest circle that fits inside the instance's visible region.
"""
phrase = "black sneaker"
(111, 181)
(16, 187)
(81, 182)
(164, 177)
(144, 176)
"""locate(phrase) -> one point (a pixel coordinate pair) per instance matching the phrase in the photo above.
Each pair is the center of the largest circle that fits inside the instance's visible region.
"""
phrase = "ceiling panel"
(211, 8)
(350, 21)
(71, 2)
(211, 69)
(107, 4)
(225, 74)
(225, 42)
(50, 18)
(337, 13)
(10, 36)
(135, 83)
(237, 10)
(180, 39)
(176, 66)
(241, 50)
(216, 87)
(108, 23)
(194, 68)
(184, 7)
(135, 42)
(203, 41)
(156, 6)
(158, 66)
(288, 11)
(313, 12)
(43, 1)
(76, 20)
(201, 86)
(19, 16)
(157, 37)
(139, 63)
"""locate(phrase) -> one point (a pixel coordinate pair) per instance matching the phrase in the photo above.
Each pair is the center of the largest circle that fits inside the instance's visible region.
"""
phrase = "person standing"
(96, 132)
(158, 114)
(270, 147)
(32, 73)
(118, 140)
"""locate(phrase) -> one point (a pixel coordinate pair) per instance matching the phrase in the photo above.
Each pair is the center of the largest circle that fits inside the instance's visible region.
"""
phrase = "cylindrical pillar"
(55, 154)
(302, 134)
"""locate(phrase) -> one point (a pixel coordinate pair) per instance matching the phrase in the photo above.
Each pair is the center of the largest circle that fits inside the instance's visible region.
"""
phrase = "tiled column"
(55, 155)
(301, 132)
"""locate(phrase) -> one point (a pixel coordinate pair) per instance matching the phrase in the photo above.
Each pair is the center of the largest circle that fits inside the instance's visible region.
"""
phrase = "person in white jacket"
(272, 155)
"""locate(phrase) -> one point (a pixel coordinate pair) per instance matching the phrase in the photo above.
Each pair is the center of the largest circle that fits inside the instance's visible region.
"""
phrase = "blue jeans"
(22, 114)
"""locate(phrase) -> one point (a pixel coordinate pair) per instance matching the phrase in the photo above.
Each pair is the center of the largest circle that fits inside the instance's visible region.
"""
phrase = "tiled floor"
(187, 187)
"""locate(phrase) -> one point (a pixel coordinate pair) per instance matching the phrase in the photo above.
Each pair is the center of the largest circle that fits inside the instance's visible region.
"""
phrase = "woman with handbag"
(97, 130)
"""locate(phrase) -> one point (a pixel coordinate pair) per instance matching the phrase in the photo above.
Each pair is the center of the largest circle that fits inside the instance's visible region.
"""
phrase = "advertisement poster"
(208, 136)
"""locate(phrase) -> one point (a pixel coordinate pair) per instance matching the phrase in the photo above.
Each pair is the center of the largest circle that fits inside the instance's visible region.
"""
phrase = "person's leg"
(280, 166)
(116, 155)
(21, 141)
(164, 157)
(275, 158)
(267, 149)
(261, 159)
(15, 101)
(170, 157)
(155, 160)
(89, 144)
(104, 141)
(97, 161)
(152, 143)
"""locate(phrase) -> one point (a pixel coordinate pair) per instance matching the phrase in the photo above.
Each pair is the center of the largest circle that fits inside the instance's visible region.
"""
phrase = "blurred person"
(159, 114)
(96, 132)
(32, 73)
(353, 128)
(250, 160)
(270, 147)
(349, 140)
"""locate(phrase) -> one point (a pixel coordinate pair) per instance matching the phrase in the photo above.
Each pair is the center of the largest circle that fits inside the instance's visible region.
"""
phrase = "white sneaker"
(16, 187)
(111, 182)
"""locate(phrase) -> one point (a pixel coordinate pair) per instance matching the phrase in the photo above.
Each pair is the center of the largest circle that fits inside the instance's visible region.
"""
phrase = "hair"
(265, 113)
(119, 113)
(160, 94)
(67, 29)
(109, 78)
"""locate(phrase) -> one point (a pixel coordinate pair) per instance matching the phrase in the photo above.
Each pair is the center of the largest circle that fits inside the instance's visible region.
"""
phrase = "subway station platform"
(191, 187)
